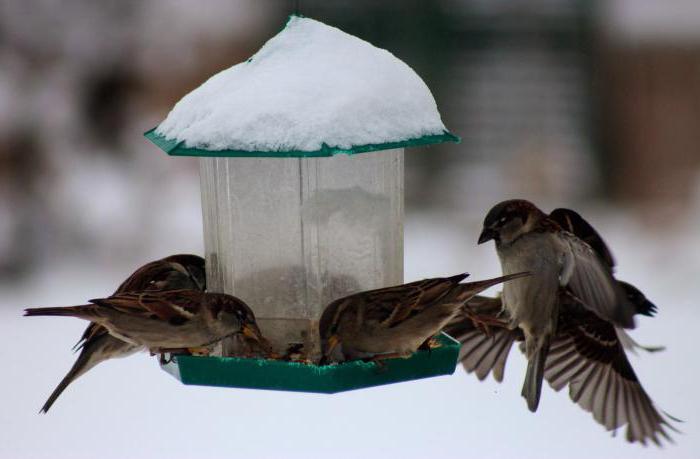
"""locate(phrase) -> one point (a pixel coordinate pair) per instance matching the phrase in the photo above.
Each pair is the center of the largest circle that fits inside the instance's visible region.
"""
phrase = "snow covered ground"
(131, 409)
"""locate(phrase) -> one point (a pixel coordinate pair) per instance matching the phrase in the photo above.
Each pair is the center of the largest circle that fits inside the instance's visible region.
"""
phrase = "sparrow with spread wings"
(584, 346)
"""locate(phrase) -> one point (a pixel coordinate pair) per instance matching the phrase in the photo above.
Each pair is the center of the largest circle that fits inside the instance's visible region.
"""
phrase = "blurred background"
(593, 105)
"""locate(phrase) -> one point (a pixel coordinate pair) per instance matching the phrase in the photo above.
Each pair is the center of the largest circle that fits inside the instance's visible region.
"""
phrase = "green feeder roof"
(312, 90)
(300, 377)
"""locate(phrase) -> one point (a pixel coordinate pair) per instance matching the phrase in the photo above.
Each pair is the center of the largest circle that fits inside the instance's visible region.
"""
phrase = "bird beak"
(486, 235)
(253, 332)
(332, 343)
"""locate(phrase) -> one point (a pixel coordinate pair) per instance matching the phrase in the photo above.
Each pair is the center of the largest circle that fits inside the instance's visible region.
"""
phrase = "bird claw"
(379, 360)
(199, 351)
(484, 323)
(429, 344)
(170, 353)
(380, 367)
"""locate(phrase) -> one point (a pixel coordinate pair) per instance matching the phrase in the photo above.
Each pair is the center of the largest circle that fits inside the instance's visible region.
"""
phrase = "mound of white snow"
(309, 87)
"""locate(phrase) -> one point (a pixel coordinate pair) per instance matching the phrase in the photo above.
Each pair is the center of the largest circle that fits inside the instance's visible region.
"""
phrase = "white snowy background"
(79, 211)
(130, 408)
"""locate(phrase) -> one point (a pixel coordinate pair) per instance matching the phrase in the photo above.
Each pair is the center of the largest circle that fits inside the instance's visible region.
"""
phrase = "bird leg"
(429, 344)
(485, 322)
(200, 351)
(170, 352)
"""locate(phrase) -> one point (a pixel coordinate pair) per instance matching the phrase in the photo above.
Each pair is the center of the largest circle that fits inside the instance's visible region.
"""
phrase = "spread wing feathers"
(482, 354)
(574, 223)
(629, 344)
(587, 355)
(593, 283)
(175, 306)
(391, 305)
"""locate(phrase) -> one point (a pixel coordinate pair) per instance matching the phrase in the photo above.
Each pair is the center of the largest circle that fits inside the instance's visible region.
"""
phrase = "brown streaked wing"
(587, 356)
(142, 278)
(404, 301)
(591, 281)
(390, 305)
(174, 306)
(574, 223)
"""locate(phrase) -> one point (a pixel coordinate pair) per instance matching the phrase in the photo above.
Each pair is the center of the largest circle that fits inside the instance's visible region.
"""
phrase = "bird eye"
(502, 219)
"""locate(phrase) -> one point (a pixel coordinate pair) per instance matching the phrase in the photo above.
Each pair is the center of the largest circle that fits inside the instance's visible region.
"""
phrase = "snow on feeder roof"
(312, 90)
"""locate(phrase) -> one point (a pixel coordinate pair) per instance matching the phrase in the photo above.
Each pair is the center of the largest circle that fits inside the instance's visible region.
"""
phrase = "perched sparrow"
(586, 354)
(165, 321)
(394, 321)
(96, 344)
(528, 240)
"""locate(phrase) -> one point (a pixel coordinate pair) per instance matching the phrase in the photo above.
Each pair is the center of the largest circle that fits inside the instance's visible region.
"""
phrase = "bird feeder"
(301, 167)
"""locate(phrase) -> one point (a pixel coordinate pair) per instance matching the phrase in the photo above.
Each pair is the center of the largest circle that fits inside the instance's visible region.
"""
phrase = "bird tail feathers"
(68, 311)
(532, 387)
(81, 365)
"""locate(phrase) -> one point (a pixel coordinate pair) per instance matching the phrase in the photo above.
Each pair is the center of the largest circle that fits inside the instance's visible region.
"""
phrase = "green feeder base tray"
(300, 377)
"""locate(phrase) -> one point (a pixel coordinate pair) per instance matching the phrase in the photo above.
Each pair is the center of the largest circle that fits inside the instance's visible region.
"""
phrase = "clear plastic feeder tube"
(289, 235)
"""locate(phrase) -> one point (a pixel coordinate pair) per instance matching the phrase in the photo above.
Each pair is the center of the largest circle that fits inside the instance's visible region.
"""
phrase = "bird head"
(234, 314)
(508, 220)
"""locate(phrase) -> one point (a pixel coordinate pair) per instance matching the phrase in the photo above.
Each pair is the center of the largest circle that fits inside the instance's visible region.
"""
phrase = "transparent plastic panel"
(290, 235)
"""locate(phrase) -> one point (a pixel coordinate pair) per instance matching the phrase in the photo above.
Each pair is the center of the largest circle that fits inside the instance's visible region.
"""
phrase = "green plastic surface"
(175, 148)
(299, 377)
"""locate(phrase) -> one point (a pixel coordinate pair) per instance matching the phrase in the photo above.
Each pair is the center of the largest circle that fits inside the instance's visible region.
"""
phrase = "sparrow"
(96, 345)
(394, 321)
(165, 321)
(587, 342)
(586, 354)
(527, 239)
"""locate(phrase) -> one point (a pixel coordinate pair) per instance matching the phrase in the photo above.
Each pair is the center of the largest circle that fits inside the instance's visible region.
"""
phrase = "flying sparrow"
(586, 354)
(96, 345)
(527, 239)
(394, 321)
(165, 321)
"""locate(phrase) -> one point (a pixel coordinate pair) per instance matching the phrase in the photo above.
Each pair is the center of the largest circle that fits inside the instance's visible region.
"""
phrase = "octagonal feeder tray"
(299, 377)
